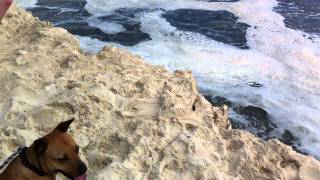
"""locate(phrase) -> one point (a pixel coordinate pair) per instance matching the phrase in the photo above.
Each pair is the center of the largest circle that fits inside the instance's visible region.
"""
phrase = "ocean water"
(260, 57)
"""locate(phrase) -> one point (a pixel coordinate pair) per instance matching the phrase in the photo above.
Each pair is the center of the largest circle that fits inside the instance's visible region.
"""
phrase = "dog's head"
(58, 152)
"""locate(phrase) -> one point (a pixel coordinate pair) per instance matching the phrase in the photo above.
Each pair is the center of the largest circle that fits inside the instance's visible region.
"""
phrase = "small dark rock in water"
(128, 37)
(288, 138)
(219, 25)
(253, 112)
(258, 119)
(83, 29)
(133, 34)
(75, 21)
(223, 0)
(56, 16)
(129, 13)
(235, 124)
(255, 84)
(74, 4)
(218, 101)
(45, 14)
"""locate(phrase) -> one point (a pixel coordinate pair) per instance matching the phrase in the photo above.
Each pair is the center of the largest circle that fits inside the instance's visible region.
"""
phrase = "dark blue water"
(219, 25)
(301, 14)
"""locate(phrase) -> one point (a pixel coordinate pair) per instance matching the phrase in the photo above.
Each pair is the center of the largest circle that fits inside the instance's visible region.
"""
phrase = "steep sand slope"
(133, 120)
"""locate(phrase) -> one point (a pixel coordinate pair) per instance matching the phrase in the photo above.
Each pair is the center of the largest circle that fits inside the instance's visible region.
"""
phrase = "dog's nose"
(82, 168)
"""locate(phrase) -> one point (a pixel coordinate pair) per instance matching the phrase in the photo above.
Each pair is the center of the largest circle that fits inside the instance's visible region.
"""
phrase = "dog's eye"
(63, 159)
(77, 149)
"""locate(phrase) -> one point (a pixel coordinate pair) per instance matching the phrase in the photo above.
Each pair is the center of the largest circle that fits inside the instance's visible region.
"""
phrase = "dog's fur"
(54, 153)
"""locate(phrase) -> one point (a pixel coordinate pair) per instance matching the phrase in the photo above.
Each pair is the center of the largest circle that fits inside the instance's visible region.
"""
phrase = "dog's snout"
(82, 168)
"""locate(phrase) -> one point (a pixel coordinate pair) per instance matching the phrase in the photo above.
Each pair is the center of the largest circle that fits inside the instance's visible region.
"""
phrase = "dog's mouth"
(81, 177)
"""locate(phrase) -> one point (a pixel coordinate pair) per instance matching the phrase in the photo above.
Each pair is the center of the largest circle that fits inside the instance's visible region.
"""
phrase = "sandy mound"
(133, 120)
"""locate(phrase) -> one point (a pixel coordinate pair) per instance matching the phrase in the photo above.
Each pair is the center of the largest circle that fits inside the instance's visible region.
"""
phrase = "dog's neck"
(30, 161)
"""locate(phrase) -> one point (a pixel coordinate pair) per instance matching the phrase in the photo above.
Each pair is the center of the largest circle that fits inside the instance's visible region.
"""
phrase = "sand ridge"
(133, 120)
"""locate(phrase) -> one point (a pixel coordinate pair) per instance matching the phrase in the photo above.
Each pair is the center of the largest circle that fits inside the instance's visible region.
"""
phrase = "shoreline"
(133, 120)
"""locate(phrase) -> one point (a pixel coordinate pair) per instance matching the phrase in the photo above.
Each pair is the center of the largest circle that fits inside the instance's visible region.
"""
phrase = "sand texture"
(133, 120)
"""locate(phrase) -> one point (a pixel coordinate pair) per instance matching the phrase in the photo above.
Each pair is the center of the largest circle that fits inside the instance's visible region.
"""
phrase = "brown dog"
(55, 153)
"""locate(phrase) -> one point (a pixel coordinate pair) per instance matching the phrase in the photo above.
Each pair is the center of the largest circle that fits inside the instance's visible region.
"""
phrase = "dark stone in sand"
(219, 25)
(218, 101)
(258, 119)
(74, 4)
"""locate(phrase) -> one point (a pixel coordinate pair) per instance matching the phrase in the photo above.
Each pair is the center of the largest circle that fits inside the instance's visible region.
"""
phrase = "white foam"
(92, 45)
(107, 27)
(26, 3)
(105, 6)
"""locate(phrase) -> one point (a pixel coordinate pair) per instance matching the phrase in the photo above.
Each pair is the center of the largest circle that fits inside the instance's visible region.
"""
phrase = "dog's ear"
(40, 146)
(64, 126)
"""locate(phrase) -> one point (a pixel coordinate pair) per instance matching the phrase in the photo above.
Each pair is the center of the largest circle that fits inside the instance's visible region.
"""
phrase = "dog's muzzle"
(82, 169)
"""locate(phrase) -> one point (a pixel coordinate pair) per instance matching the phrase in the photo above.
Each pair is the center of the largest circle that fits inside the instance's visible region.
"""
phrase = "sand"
(133, 120)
